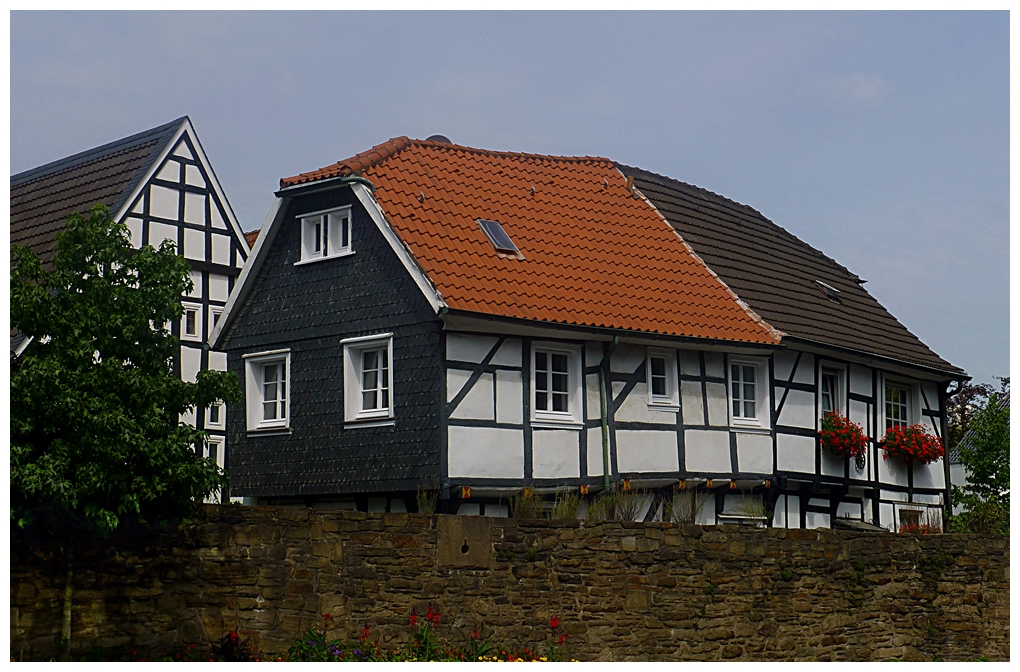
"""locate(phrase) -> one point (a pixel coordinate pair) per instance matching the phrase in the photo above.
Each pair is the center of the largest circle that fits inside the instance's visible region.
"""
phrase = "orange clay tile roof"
(251, 237)
(594, 254)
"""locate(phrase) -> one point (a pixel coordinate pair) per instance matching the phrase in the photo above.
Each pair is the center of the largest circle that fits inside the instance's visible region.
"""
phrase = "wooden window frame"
(329, 225)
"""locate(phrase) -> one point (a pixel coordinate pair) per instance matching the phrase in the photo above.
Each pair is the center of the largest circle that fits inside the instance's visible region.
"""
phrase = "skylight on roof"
(497, 236)
(831, 292)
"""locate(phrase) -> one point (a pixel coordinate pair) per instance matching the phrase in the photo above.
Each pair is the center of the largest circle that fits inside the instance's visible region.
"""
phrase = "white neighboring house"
(161, 185)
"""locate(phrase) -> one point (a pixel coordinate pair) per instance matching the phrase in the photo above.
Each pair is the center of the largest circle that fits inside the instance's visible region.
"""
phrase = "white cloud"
(856, 87)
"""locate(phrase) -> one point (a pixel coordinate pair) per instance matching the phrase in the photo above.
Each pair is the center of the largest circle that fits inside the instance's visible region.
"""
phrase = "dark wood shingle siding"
(310, 308)
(774, 272)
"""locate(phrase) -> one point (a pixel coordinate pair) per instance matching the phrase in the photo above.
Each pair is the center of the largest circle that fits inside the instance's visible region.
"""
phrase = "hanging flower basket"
(912, 443)
(844, 438)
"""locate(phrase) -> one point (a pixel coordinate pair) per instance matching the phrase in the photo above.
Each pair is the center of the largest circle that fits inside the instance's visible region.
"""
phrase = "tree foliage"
(985, 455)
(95, 403)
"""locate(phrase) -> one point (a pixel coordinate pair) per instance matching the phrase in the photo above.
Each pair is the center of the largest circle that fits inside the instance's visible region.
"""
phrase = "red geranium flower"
(563, 638)
(326, 616)
(554, 622)
(414, 619)
(364, 633)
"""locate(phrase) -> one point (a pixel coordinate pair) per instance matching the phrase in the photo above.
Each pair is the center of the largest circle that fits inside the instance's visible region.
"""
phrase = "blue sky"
(880, 138)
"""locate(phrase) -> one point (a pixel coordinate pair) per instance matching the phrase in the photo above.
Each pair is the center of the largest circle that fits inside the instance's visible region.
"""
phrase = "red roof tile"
(595, 254)
(251, 237)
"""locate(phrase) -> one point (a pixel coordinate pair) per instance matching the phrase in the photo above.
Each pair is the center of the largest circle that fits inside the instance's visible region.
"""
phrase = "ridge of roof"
(141, 138)
(383, 151)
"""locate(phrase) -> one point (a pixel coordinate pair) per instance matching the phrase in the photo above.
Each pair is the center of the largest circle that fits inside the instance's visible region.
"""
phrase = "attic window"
(831, 293)
(497, 236)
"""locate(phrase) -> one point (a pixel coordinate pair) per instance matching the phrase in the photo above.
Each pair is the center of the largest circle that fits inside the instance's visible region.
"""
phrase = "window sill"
(666, 408)
(317, 259)
(190, 339)
(750, 429)
(270, 431)
(544, 423)
(370, 422)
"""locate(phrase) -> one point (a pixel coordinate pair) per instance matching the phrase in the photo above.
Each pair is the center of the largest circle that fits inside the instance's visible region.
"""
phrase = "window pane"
(371, 381)
(270, 372)
(659, 386)
(345, 232)
(736, 408)
(270, 391)
(735, 372)
(269, 410)
(748, 374)
(559, 363)
(368, 399)
(317, 244)
(559, 382)
(370, 359)
(736, 389)
(214, 414)
(540, 361)
(560, 403)
(658, 366)
(190, 327)
(541, 401)
(749, 391)
(748, 409)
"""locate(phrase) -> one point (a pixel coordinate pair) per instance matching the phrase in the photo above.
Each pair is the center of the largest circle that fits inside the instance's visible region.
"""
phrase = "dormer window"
(325, 234)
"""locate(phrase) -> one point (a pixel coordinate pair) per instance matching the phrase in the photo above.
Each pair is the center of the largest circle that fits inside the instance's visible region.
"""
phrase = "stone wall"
(624, 591)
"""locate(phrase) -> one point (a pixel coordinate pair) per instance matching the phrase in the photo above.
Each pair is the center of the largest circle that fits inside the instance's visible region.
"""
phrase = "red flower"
(326, 617)
(364, 633)
(554, 622)
(414, 619)
(474, 633)
(233, 637)
(435, 618)
(563, 638)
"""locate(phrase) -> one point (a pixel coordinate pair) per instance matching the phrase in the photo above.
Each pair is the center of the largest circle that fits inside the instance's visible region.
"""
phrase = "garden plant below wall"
(844, 437)
(912, 443)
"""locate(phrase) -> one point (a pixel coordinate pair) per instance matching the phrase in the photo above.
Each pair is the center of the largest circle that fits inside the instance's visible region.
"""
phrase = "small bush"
(426, 500)
(566, 505)
(526, 505)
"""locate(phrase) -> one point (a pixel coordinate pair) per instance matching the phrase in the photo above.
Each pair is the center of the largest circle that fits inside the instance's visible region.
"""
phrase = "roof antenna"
(421, 196)
(532, 190)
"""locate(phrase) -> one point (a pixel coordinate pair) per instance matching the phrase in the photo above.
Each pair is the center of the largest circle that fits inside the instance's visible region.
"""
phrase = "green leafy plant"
(96, 434)
(985, 455)
(426, 500)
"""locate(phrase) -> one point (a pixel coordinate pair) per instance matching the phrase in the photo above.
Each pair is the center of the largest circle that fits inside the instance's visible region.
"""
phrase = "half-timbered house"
(431, 315)
(160, 184)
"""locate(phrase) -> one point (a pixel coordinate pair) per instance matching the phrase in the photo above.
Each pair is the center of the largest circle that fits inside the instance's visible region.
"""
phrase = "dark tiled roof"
(776, 274)
(42, 198)
(954, 452)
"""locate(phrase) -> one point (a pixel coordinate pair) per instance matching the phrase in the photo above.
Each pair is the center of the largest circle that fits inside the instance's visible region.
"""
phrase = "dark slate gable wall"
(310, 308)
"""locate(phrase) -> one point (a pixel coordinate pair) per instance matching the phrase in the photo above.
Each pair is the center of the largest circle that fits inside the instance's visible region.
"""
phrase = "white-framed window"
(748, 392)
(216, 416)
(215, 313)
(832, 397)
(191, 322)
(325, 234)
(555, 384)
(214, 449)
(660, 374)
(897, 405)
(267, 389)
(368, 378)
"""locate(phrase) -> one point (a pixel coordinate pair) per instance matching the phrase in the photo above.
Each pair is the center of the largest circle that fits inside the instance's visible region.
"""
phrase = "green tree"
(985, 454)
(96, 431)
